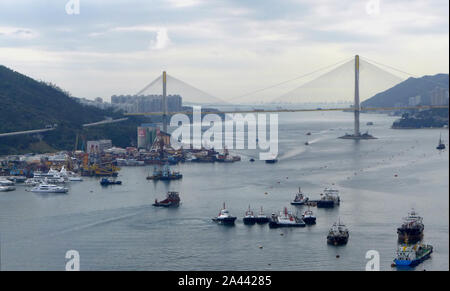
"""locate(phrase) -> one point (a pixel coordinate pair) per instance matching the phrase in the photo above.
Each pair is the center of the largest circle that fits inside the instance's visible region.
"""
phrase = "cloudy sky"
(224, 47)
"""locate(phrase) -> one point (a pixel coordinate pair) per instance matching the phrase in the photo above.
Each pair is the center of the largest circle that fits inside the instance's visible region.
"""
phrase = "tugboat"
(329, 199)
(249, 217)
(172, 200)
(299, 199)
(411, 256)
(441, 145)
(338, 234)
(107, 182)
(309, 218)
(412, 228)
(261, 218)
(285, 219)
(224, 217)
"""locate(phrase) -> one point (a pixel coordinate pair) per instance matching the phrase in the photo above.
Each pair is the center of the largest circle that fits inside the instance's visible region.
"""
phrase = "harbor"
(377, 183)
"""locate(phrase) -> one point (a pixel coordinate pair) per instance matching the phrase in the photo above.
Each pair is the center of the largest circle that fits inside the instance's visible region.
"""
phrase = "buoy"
(338, 256)
(260, 247)
(392, 265)
(281, 234)
(266, 193)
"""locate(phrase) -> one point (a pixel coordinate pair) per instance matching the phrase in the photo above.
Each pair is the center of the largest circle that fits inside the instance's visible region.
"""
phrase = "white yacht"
(48, 188)
(7, 188)
(4, 182)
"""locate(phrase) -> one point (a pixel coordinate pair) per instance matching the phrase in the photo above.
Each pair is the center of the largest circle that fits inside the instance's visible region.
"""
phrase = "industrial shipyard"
(257, 146)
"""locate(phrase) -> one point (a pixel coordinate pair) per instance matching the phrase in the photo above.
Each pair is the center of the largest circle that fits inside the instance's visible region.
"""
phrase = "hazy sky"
(224, 47)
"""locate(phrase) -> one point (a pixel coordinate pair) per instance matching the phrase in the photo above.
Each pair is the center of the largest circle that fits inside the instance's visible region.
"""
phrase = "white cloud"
(162, 40)
(17, 32)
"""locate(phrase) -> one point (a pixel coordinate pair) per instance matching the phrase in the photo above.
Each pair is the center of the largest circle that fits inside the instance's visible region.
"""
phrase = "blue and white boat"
(410, 256)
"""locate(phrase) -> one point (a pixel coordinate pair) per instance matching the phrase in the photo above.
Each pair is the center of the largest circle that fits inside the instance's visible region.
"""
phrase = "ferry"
(224, 217)
(330, 198)
(249, 217)
(411, 256)
(48, 188)
(411, 230)
(261, 218)
(285, 219)
(338, 234)
(299, 199)
(308, 217)
(172, 200)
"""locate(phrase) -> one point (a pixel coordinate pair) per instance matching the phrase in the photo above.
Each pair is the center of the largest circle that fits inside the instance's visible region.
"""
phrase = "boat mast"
(357, 105)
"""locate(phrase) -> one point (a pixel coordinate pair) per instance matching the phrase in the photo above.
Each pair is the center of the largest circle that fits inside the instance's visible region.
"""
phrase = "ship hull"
(274, 224)
(412, 263)
(337, 241)
(262, 220)
(309, 220)
(409, 235)
(325, 204)
(225, 221)
(249, 220)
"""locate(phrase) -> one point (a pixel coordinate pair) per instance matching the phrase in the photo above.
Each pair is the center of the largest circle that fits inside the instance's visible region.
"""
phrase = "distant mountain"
(27, 104)
(426, 87)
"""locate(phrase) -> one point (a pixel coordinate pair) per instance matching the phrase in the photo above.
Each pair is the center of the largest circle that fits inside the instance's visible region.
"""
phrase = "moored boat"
(411, 256)
(299, 199)
(7, 188)
(48, 188)
(172, 200)
(249, 217)
(261, 218)
(107, 182)
(338, 234)
(309, 217)
(224, 217)
(285, 219)
(441, 145)
(411, 230)
(329, 199)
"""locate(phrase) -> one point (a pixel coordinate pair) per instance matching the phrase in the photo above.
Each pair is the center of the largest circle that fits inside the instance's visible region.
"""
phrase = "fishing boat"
(299, 199)
(411, 256)
(172, 200)
(411, 230)
(441, 145)
(224, 217)
(249, 217)
(107, 182)
(261, 218)
(285, 219)
(329, 199)
(338, 234)
(308, 217)
(48, 188)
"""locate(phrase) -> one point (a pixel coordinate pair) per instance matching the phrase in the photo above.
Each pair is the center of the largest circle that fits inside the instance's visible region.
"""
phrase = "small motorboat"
(252, 160)
(261, 218)
(308, 217)
(224, 217)
(299, 199)
(172, 200)
(308, 133)
(306, 143)
(249, 217)
(107, 182)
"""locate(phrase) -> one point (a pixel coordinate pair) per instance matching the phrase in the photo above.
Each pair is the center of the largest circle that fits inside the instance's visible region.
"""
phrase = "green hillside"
(411, 87)
(27, 104)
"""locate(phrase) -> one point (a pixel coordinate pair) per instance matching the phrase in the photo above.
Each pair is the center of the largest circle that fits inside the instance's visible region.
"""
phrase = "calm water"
(116, 228)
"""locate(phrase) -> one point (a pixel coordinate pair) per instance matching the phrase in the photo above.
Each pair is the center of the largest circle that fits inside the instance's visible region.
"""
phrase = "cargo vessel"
(338, 234)
(411, 256)
(411, 230)
(285, 219)
(172, 200)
